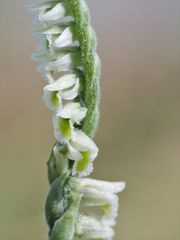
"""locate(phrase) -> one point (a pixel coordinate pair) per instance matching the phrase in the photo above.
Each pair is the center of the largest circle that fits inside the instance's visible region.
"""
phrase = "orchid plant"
(71, 66)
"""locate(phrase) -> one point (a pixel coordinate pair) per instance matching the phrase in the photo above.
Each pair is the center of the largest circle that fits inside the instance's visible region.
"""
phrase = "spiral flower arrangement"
(71, 66)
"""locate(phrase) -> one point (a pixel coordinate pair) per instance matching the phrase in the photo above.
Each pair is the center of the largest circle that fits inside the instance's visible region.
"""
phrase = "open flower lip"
(67, 49)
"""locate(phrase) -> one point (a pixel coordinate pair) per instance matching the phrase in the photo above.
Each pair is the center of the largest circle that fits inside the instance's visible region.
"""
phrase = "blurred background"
(139, 131)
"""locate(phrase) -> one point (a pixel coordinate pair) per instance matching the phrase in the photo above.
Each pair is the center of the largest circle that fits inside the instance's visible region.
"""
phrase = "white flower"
(63, 122)
(101, 194)
(52, 100)
(64, 63)
(66, 87)
(107, 201)
(83, 151)
(63, 129)
(73, 111)
(96, 193)
(56, 13)
(65, 39)
(91, 228)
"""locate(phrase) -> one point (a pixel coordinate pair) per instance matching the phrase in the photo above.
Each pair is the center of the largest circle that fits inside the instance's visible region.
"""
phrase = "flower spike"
(71, 66)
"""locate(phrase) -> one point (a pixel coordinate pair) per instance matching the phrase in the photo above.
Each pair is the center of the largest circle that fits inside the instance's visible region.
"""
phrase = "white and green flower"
(108, 202)
(63, 129)
(64, 121)
(83, 151)
(102, 194)
(68, 44)
(66, 87)
(97, 193)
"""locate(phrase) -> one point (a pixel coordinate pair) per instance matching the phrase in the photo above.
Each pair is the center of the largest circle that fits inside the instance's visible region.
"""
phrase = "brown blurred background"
(139, 132)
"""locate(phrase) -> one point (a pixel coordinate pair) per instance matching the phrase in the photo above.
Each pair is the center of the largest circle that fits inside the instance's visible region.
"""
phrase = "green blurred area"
(139, 132)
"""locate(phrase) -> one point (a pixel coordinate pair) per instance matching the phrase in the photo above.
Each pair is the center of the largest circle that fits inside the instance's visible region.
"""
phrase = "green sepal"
(52, 168)
(57, 165)
(64, 227)
(56, 201)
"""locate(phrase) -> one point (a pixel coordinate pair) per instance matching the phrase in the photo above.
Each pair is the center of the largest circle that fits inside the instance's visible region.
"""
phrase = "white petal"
(73, 111)
(65, 39)
(73, 154)
(63, 129)
(54, 14)
(66, 81)
(112, 187)
(82, 142)
(64, 63)
(72, 93)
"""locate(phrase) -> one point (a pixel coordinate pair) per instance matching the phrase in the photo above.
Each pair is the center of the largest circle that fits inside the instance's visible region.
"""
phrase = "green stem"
(90, 63)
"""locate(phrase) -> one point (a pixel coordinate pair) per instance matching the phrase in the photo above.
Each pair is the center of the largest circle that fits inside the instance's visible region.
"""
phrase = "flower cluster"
(69, 63)
(61, 53)
(76, 194)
